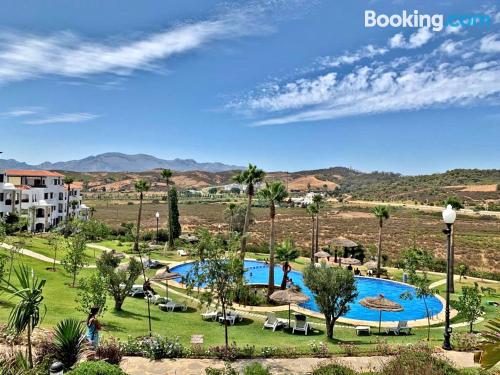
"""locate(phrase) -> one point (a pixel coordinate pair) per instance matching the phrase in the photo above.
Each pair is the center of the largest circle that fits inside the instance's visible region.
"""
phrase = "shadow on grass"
(132, 315)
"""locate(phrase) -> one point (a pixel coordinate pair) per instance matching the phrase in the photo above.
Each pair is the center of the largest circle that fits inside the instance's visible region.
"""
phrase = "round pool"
(258, 273)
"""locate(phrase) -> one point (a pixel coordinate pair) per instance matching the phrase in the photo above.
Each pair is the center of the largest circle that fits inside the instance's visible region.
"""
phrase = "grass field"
(477, 240)
(60, 302)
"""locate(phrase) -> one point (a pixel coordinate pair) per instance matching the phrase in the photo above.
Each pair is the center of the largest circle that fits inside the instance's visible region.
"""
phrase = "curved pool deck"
(366, 286)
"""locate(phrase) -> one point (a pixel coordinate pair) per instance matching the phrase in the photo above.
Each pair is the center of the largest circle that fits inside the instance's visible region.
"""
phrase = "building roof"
(32, 173)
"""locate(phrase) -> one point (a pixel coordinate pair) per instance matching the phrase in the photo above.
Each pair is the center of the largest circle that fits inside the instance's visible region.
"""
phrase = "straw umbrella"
(343, 243)
(289, 295)
(380, 303)
(351, 261)
(370, 265)
(165, 276)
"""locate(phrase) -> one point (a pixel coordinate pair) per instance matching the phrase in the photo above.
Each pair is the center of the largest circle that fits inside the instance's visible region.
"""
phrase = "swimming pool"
(258, 273)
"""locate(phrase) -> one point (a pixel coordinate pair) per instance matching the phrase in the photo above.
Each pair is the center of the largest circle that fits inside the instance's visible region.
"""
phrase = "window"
(51, 195)
(1, 178)
(61, 196)
(1, 197)
(46, 196)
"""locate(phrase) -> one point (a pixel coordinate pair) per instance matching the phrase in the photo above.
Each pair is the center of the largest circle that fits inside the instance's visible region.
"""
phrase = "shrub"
(255, 368)
(248, 351)
(110, 352)
(332, 368)
(382, 347)
(227, 370)
(464, 341)
(417, 360)
(69, 341)
(319, 348)
(269, 351)
(158, 347)
(131, 347)
(96, 368)
(348, 349)
(220, 352)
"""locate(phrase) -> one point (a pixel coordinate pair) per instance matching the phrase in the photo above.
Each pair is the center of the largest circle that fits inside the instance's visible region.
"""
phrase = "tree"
(119, 281)
(230, 213)
(174, 210)
(334, 288)
(213, 190)
(455, 203)
(463, 270)
(55, 242)
(74, 260)
(381, 213)
(273, 193)
(317, 199)
(219, 270)
(414, 259)
(236, 217)
(313, 211)
(167, 174)
(422, 291)
(92, 293)
(140, 186)
(251, 176)
(286, 252)
(67, 181)
(30, 309)
(469, 304)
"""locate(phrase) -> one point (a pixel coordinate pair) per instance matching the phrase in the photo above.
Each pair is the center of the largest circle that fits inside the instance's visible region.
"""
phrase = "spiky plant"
(69, 341)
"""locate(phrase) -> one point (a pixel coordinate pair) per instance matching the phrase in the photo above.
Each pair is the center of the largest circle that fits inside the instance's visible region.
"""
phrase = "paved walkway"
(185, 366)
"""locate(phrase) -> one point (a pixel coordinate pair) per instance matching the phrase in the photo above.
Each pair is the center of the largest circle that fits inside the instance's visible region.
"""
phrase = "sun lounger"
(273, 322)
(171, 306)
(362, 330)
(210, 315)
(156, 299)
(136, 291)
(300, 324)
(231, 317)
(182, 253)
(401, 328)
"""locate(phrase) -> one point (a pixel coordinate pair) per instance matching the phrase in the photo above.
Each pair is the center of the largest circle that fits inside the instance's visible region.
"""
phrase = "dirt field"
(477, 239)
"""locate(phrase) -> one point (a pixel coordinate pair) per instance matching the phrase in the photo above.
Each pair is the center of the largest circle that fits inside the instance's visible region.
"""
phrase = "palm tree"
(231, 207)
(286, 252)
(67, 181)
(313, 211)
(273, 193)
(26, 314)
(455, 203)
(381, 213)
(317, 199)
(251, 176)
(167, 174)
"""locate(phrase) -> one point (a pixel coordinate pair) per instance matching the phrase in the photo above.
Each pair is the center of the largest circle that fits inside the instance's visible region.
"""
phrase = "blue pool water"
(258, 273)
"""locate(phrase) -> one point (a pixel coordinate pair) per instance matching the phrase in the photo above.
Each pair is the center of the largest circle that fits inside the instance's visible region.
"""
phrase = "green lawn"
(59, 298)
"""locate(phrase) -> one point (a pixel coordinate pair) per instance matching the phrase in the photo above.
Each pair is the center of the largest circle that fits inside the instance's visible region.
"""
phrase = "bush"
(269, 351)
(248, 296)
(110, 352)
(255, 368)
(227, 370)
(319, 348)
(332, 368)
(417, 360)
(348, 349)
(96, 368)
(220, 352)
(158, 347)
(464, 341)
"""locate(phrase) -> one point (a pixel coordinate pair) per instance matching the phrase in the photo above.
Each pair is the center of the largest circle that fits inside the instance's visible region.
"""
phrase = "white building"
(38, 195)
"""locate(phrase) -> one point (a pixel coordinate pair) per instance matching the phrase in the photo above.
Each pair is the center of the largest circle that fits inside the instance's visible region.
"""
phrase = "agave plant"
(69, 341)
(491, 349)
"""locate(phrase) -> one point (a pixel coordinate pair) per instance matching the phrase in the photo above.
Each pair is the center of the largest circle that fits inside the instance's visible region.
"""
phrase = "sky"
(284, 84)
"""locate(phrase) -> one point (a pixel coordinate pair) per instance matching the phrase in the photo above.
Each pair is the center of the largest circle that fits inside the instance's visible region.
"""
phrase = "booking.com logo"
(414, 19)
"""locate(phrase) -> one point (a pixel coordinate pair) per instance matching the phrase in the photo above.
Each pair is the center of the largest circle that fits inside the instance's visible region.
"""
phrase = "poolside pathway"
(184, 366)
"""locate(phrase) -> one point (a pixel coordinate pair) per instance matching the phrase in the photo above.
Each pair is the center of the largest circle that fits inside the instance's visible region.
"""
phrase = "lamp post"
(157, 215)
(57, 368)
(449, 216)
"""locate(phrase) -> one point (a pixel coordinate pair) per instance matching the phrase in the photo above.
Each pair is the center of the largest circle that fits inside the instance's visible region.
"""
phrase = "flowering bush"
(348, 349)
(464, 341)
(269, 351)
(221, 352)
(319, 348)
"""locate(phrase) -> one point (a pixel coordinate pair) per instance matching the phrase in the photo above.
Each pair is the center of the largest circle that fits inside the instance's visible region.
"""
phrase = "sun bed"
(231, 317)
(171, 306)
(182, 253)
(362, 330)
(401, 328)
(273, 322)
(210, 315)
(156, 299)
(300, 324)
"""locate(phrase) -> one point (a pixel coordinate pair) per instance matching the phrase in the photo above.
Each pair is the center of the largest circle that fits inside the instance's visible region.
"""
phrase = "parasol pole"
(379, 321)
(288, 315)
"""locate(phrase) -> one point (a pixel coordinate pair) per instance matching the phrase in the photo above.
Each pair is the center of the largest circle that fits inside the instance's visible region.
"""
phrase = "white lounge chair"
(156, 299)
(182, 253)
(272, 322)
(137, 290)
(300, 325)
(171, 306)
(231, 317)
(362, 330)
(210, 315)
(401, 328)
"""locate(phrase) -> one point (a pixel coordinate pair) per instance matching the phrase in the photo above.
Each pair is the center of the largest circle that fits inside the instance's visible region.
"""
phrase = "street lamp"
(449, 216)
(157, 224)
(57, 368)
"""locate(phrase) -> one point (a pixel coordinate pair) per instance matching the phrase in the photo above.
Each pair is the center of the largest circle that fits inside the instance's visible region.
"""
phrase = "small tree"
(174, 210)
(469, 304)
(55, 242)
(286, 252)
(119, 281)
(74, 260)
(235, 215)
(463, 270)
(29, 310)
(414, 259)
(93, 292)
(219, 270)
(334, 288)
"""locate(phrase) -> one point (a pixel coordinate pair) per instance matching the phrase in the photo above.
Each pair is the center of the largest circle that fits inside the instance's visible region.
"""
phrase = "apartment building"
(38, 195)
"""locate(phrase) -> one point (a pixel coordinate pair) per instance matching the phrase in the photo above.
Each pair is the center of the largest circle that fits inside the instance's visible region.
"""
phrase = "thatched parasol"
(165, 276)
(370, 265)
(342, 242)
(322, 254)
(380, 303)
(289, 295)
(351, 261)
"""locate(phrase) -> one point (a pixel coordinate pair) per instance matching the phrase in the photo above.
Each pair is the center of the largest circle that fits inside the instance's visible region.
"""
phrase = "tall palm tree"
(317, 199)
(251, 176)
(381, 213)
(273, 193)
(455, 203)
(313, 211)
(286, 252)
(27, 313)
(167, 174)
(231, 207)
(67, 181)
(142, 186)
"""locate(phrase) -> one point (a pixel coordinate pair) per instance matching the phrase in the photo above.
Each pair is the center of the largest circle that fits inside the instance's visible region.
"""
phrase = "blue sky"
(288, 85)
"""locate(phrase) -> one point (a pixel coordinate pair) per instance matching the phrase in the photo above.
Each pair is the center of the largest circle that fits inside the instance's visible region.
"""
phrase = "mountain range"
(118, 162)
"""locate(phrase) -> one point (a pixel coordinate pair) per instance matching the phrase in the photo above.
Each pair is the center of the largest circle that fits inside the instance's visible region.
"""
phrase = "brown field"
(477, 241)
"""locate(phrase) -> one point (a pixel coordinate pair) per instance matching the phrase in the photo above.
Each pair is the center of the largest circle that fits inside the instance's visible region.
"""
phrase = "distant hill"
(118, 162)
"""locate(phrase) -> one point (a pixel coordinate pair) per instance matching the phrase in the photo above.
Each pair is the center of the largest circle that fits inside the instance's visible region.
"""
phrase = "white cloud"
(26, 56)
(368, 51)
(490, 44)
(21, 112)
(63, 118)
(450, 47)
(416, 40)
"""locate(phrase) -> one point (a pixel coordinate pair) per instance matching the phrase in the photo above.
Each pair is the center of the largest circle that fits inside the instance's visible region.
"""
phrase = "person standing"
(93, 328)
